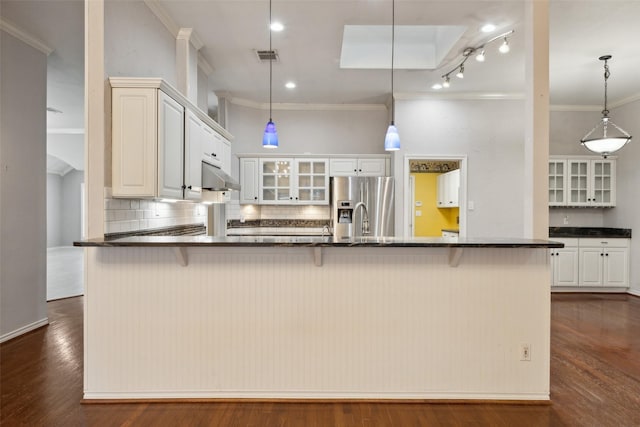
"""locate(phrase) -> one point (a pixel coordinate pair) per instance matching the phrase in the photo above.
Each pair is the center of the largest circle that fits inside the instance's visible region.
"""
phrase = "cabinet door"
(616, 267)
(249, 171)
(312, 181)
(557, 182)
(603, 183)
(441, 197)
(591, 266)
(452, 181)
(372, 167)
(565, 268)
(343, 167)
(226, 156)
(170, 147)
(275, 181)
(134, 142)
(194, 137)
(578, 183)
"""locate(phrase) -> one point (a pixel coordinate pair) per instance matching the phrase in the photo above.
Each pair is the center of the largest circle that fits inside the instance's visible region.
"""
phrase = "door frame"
(408, 190)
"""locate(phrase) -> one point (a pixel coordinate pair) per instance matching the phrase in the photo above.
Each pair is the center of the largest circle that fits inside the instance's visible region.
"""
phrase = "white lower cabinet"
(564, 263)
(604, 262)
(591, 262)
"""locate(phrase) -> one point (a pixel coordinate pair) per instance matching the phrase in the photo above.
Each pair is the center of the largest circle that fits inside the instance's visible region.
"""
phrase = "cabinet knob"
(255, 198)
(601, 254)
(184, 186)
(359, 170)
(355, 170)
(214, 154)
(606, 254)
(552, 254)
(290, 198)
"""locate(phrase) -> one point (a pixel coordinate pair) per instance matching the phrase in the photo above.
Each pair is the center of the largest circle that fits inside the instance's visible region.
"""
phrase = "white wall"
(23, 227)
(626, 212)
(71, 207)
(491, 134)
(54, 210)
(136, 43)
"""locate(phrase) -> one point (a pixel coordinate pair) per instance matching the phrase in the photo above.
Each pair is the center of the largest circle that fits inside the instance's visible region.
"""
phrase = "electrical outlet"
(565, 220)
(525, 353)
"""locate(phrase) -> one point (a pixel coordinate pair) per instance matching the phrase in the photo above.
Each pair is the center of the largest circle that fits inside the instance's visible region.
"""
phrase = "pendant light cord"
(605, 112)
(270, 63)
(393, 35)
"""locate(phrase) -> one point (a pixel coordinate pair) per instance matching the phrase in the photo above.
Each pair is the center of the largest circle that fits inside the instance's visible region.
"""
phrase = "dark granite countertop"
(314, 241)
(602, 232)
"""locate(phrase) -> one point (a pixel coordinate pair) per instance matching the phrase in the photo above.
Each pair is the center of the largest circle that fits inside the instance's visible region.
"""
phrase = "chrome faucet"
(365, 218)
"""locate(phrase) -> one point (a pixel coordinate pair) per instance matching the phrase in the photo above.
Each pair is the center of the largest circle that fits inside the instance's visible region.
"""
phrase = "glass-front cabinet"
(275, 181)
(312, 181)
(294, 181)
(591, 182)
(581, 181)
(557, 182)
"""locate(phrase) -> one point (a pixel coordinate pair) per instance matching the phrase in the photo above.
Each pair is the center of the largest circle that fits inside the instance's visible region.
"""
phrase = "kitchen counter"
(199, 317)
(602, 232)
(315, 241)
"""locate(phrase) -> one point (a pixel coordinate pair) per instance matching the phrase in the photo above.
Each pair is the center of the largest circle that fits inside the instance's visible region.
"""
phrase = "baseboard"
(298, 397)
(634, 292)
(24, 329)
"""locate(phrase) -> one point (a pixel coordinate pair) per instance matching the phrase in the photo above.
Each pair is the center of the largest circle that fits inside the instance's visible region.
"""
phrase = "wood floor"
(595, 381)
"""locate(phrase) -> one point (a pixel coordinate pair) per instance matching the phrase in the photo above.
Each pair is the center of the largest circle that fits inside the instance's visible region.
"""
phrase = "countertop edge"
(314, 242)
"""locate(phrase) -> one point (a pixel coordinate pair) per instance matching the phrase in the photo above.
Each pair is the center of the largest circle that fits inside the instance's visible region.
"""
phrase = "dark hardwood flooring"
(595, 381)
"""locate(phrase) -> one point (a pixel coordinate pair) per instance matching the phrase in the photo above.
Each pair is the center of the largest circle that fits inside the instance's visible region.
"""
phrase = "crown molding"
(302, 107)
(406, 96)
(625, 101)
(204, 64)
(161, 13)
(24, 36)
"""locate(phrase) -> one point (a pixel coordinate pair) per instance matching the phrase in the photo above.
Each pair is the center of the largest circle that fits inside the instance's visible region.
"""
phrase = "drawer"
(607, 243)
(568, 241)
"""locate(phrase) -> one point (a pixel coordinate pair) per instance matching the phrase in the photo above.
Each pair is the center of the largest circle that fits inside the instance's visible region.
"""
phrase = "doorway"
(436, 199)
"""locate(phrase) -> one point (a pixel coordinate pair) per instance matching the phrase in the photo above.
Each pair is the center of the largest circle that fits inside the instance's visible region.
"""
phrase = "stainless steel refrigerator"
(362, 206)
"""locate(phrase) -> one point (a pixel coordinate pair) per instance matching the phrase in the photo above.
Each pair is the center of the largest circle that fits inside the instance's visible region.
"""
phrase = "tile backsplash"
(235, 211)
(125, 215)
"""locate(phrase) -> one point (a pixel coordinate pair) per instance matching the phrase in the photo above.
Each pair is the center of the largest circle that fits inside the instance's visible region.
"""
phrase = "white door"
(194, 138)
(248, 181)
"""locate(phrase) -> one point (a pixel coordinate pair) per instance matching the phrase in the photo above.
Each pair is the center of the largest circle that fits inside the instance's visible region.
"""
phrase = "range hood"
(214, 179)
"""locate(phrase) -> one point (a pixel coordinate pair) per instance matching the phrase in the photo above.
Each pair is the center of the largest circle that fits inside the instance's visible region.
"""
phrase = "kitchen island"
(200, 317)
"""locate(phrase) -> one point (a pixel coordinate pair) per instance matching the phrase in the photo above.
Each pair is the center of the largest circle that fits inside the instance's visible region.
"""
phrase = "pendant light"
(392, 139)
(609, 142)
(270, 138)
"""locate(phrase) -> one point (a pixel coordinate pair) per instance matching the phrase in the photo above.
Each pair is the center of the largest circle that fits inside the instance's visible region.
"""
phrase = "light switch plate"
(418, 213)
(418, 203)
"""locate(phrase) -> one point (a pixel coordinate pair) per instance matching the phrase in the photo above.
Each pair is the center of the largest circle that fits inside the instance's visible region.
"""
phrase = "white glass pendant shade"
(606, 137)
(270, 138)
(392, 139)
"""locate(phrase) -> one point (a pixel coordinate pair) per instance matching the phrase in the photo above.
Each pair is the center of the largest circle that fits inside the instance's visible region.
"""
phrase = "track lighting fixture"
(480, 55)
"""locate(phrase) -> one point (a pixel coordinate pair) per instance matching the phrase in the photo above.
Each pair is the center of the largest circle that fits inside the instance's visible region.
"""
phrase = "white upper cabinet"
(249, 180)
(276, 181)
(312, 181)
(448, 185)
(582, 182)
(557, 182)
(159, 140)
(366, 166)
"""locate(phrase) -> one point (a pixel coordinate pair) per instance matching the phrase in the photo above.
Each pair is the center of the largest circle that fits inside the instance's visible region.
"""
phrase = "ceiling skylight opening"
(488, 28)
(277, 27)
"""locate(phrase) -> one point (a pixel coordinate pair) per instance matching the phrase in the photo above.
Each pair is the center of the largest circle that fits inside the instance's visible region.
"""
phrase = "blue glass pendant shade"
(270, 138)
(392, 139)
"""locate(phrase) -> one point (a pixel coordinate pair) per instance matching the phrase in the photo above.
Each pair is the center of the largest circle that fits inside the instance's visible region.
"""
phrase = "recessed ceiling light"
(488, 28)
(290, 85)
(436, 86)
(276, 26)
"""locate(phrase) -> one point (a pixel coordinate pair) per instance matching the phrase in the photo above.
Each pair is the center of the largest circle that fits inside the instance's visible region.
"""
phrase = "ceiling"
(310, 49)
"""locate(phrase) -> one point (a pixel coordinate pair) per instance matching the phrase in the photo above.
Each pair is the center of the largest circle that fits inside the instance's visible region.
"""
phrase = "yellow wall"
(433, 220)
